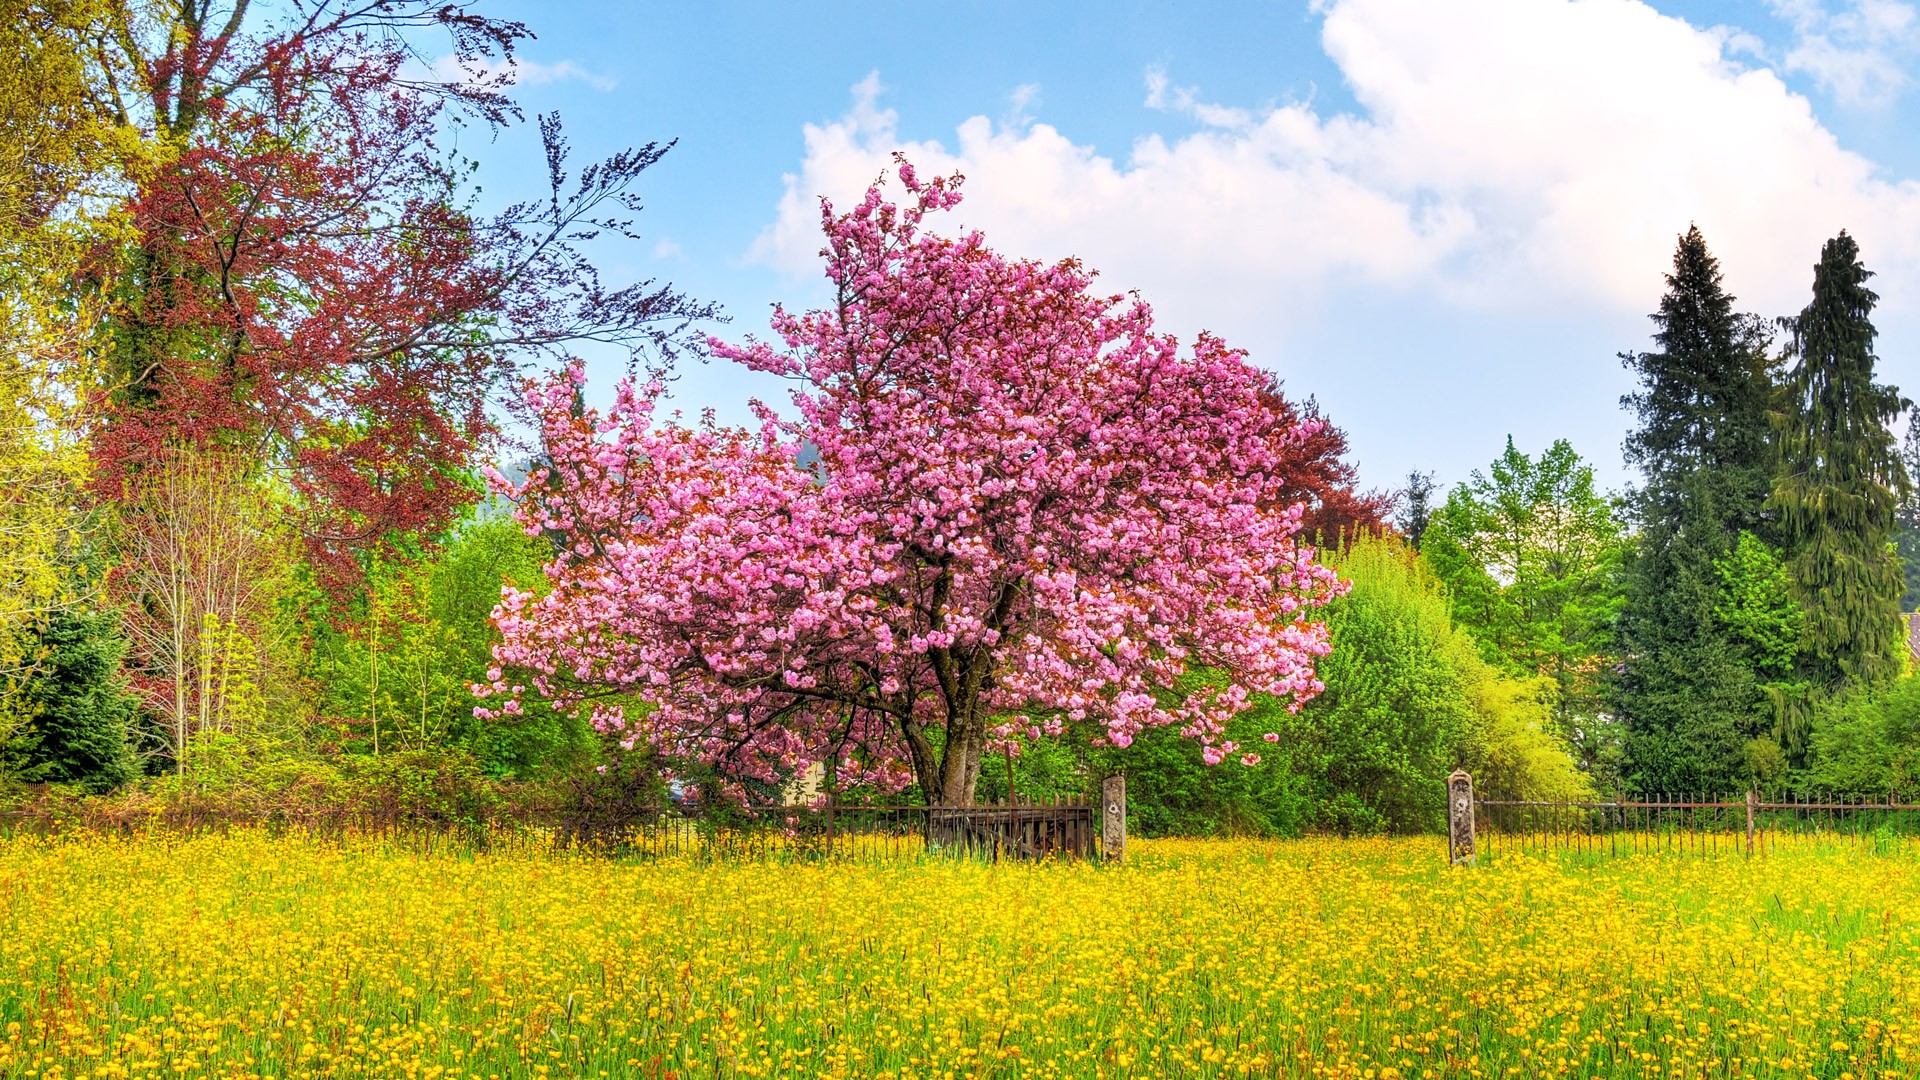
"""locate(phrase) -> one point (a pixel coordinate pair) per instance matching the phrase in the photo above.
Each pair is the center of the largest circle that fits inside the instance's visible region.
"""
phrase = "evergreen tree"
(82, 712)
(1839, 484)
(1906, 536)
(1415, 508)
(1686, 691)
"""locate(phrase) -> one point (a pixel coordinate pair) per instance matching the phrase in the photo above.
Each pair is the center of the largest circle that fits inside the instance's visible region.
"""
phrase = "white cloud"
(1518, 156)
(517, 71)
(1737, 42)
(1857, 53)
(1185, 100)
(667, 248)
(1020, 105)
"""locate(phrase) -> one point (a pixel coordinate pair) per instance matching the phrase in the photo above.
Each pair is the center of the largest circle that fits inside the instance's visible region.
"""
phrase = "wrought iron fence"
(1694, 824)
(1067, 828)
(1059, 829)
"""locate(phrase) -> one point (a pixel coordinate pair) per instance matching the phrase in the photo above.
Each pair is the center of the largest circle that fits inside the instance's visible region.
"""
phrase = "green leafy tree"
(1408, 699)
(1380, 740)
(1530, 553)
(397, 670)
(54, 153)
(1839, 484)
(1867, 743)
(1761, 619)
(1687, 694)
(1757, 609)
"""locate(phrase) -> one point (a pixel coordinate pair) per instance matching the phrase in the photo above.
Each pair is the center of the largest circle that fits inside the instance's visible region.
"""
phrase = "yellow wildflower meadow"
(250, 956)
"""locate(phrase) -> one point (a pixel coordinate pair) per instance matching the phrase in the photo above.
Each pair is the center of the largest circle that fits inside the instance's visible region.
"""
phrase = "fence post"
(832, 775)
(1753, 804)
(1460, 818)
(1013, 820)
(1113, 821)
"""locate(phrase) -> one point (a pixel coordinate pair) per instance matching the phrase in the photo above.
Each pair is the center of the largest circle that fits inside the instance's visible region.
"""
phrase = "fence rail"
(1692, 823)
(1066, 828)
(1059, 829)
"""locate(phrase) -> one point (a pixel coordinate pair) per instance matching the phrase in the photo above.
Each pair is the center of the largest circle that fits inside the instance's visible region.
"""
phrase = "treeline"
(1733, 622)
(257, 343)
(1760, 641)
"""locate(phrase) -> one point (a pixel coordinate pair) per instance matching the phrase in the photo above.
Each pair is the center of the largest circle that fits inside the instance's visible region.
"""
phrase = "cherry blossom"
(1001, 506)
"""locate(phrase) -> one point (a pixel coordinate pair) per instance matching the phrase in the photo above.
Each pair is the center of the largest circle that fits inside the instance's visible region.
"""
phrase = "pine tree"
(1906, 536)
(1840, 482)
(1687, 692)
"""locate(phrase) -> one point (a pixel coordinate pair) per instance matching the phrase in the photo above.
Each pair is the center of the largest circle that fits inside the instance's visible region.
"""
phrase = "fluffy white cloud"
(1509, 156)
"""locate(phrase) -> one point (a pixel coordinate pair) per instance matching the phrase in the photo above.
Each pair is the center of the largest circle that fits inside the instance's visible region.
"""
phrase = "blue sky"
(1442, 220)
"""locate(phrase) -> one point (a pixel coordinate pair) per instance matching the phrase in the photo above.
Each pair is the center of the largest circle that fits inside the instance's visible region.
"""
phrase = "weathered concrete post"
(1113, 818)
(1753, 804)
(1460, 818)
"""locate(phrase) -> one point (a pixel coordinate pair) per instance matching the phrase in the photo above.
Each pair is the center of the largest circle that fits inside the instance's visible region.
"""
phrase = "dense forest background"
(261, 347)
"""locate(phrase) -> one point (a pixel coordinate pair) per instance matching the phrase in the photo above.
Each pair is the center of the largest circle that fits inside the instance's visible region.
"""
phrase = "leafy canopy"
(1530, 552)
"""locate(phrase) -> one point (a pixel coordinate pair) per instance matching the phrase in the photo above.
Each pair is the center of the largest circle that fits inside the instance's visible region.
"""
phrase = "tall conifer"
(1687, 693)
(1840, 481)
(1906, 533)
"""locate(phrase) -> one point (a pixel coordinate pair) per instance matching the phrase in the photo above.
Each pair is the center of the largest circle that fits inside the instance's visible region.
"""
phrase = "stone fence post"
(1113, 818)
(1460, 819)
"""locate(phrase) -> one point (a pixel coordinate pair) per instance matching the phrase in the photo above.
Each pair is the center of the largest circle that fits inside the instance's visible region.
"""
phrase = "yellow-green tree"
(58, 158)
(1530, 552)
(205, 558)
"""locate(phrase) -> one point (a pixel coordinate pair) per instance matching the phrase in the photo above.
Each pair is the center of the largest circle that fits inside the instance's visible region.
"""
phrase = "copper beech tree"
(1004, 505)
(308, 287)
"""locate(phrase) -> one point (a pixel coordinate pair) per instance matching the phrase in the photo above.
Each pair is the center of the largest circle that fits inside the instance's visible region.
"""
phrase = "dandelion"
(255, 956)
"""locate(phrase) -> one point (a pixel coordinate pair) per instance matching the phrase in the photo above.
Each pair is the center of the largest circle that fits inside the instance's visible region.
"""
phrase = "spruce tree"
(1906, 534)
(1686, 691)
(1840, 482)
(83, 712)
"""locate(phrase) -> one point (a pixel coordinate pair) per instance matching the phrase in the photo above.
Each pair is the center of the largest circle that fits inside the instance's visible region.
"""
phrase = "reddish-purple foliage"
(305, 289)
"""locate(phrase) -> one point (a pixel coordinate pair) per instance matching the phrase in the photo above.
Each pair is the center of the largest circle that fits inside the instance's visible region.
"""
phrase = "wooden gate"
(1057, 828)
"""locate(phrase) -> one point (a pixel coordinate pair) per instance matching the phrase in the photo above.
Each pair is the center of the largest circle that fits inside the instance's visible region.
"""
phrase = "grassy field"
(250, 956)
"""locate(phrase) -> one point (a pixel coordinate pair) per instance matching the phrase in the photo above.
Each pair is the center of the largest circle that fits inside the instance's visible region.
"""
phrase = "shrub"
(1408, 699)
(1867, 743)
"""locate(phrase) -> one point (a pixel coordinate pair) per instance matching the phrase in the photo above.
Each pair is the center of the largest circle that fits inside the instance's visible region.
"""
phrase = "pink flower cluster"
(1003, 506)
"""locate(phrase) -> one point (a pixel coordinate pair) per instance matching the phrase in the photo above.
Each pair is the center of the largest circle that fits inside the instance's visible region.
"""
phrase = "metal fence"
(1694, 824)
(1050, 829)
(1066, 828)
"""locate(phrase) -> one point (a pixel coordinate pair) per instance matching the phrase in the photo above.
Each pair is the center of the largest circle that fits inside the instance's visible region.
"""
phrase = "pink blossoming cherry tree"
(1003, 506)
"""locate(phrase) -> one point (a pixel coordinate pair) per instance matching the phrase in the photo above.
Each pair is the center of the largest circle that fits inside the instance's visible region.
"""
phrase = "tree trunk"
(966, 745)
